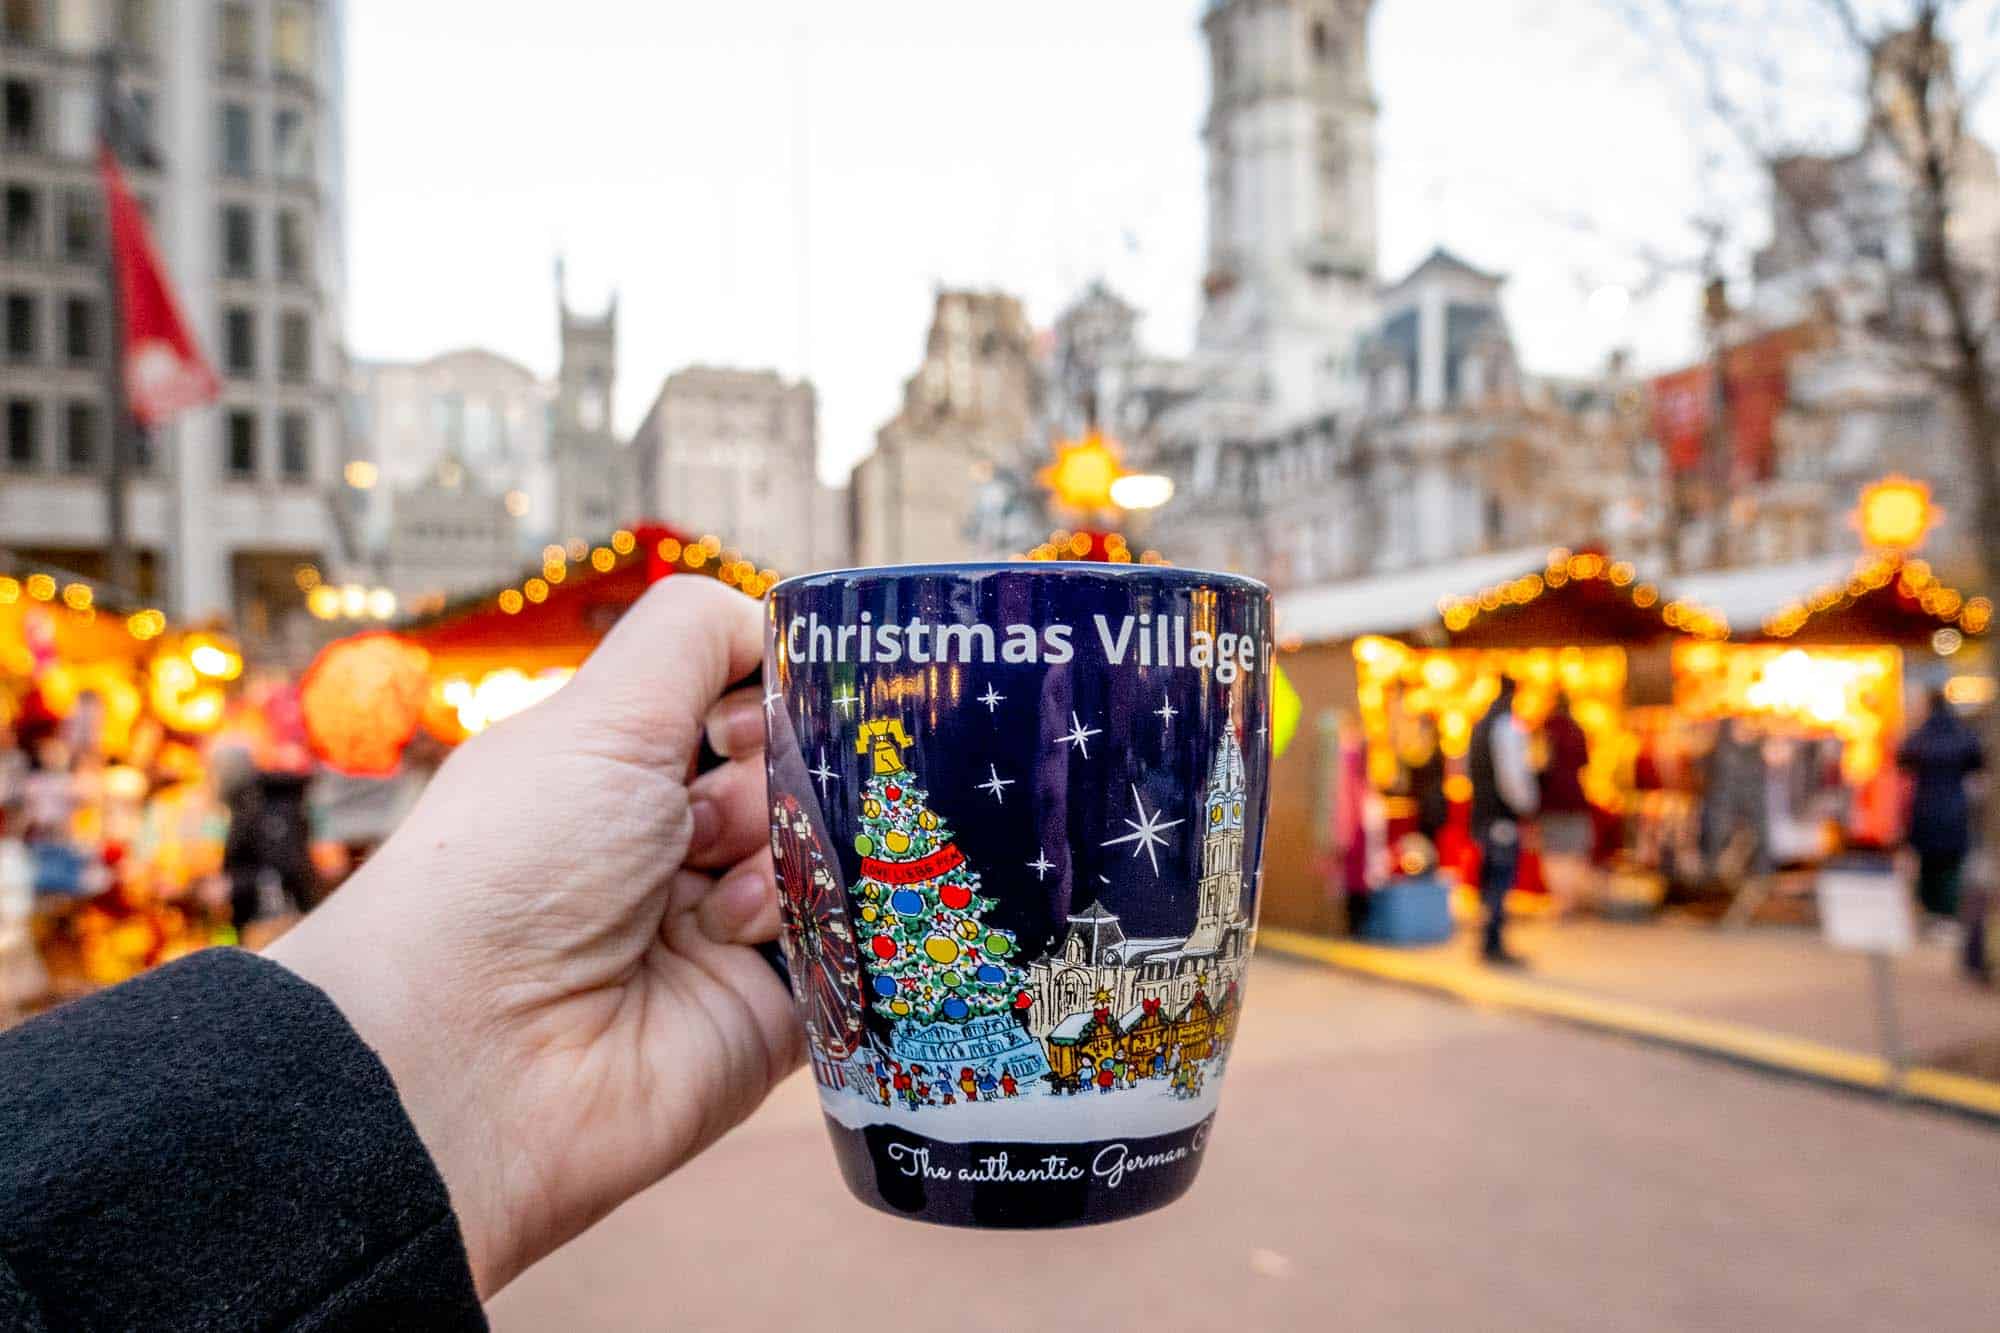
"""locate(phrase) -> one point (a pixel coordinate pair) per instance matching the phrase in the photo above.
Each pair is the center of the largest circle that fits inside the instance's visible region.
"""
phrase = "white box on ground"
(1866, 910)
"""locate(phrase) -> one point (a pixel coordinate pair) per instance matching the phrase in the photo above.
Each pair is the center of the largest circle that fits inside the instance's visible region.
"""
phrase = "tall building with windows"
(242, 100)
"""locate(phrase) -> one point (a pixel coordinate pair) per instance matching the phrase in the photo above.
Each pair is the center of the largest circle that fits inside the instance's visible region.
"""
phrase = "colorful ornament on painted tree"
(930, 954)
(818, 941)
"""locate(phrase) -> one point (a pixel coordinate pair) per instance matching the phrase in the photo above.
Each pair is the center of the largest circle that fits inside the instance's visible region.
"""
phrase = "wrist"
(354, 962)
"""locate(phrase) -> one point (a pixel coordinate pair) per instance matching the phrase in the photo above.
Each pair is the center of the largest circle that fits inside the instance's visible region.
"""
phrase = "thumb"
(645, 690)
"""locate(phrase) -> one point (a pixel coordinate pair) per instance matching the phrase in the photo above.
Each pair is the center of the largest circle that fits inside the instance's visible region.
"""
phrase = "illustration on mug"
(968, 1020)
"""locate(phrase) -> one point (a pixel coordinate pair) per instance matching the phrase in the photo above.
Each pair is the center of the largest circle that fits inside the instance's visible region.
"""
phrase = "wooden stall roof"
(1581, 598)
(1885, 599)
(542, 621)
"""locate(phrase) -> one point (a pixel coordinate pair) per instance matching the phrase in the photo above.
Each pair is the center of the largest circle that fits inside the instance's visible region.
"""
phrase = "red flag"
(1683, 408)
(165, 372)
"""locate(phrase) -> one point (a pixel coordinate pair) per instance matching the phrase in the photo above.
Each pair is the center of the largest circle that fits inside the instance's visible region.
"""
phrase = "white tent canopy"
(1393, 603)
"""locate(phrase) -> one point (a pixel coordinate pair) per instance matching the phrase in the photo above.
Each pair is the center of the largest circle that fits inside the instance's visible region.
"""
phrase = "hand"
(564, 996)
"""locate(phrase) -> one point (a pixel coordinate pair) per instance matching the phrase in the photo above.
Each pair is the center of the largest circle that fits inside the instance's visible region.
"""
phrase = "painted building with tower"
(1097, 965)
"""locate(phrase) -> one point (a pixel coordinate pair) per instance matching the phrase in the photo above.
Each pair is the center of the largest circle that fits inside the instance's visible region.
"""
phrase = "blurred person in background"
(1734, 810)
(1424, 773)
(267, 856)
(1567, 831)
(1503, 795)
(1941, 756)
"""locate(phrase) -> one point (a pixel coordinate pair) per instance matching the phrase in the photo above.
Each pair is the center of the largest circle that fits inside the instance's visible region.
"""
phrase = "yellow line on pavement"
(1738, 1041)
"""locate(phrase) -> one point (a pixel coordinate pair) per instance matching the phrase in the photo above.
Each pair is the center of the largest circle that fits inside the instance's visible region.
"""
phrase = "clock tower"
(595, 485)
(1290, 137)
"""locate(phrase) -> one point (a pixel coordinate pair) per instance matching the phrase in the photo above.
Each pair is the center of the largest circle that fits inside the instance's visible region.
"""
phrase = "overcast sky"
(783, 182)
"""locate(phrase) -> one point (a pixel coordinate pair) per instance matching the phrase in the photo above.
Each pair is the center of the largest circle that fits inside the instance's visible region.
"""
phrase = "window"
(291, 145)
(80, 437)
(239, 241)
(239, 444)
(79, 226)
(234, 146)
(79, 329)
(22, 102)
(292, 41)
(76, 25)
(295, 446)
(143, 123)
(24, 24)
(135, 26)
(295, 345)
(73, 129)
(239, 341)
(235, 37)
(24, 444)
(291, 246)
(139, 449)
(23, 222)
(23, 314)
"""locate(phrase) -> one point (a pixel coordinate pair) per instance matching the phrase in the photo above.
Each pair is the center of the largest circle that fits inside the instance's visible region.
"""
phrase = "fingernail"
(736, 729)
(707, 824)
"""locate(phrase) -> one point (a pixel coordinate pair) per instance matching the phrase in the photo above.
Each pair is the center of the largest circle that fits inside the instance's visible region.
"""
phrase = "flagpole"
(119, 568)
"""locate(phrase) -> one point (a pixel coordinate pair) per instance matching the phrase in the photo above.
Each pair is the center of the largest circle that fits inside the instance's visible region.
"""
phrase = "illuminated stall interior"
(126, 705)
(1831, 663)
(1565, 629)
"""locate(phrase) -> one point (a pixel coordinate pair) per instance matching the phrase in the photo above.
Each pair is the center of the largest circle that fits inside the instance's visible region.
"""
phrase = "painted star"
(1078, 735)
(991, 698)
(846, 699)
(823, 773)
(771, 697)
(1166, 712)
(1148, 831)
(1041, 865)
(996, 784)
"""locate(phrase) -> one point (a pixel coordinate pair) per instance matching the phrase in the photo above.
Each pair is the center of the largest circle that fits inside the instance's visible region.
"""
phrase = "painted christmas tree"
(929, 953)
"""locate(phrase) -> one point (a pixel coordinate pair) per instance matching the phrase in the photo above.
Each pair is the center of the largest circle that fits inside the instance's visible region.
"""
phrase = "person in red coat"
(1565, 819)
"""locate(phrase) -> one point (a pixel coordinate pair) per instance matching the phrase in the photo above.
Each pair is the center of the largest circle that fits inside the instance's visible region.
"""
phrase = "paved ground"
(1383, 1160)
(1783, 978)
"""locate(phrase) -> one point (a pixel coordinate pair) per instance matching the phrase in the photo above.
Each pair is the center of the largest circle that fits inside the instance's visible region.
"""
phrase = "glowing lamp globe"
(1083, 474)
(362, 699)
(1895, 514)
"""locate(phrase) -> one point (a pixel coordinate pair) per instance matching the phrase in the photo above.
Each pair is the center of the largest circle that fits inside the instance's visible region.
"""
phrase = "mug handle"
(708, 759)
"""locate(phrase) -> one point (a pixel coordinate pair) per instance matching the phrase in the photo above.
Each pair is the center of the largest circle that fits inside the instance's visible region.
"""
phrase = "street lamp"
(1142, 490)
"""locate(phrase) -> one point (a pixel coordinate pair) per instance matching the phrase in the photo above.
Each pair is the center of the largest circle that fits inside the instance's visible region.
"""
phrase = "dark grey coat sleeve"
(211, 1146)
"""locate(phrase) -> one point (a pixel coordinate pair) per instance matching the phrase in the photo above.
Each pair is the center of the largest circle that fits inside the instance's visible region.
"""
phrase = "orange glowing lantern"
(362, 698)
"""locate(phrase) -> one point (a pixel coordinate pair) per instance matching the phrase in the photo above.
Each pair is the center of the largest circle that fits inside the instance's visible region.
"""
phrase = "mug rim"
(1181, 574)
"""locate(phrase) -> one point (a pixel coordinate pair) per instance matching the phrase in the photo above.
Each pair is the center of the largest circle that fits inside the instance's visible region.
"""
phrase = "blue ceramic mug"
(1017, 813)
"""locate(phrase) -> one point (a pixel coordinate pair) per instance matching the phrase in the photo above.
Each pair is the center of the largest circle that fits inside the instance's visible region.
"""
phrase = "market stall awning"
(1886, 599)
(555, 616)
(1747, 597)
(1389, 603)
(1571, 598)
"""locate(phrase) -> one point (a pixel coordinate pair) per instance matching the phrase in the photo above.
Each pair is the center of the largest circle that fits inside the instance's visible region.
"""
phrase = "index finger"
(666, 662)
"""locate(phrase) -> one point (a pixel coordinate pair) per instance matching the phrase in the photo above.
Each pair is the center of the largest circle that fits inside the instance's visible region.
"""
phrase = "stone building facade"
(972, 407)
(736, 453)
